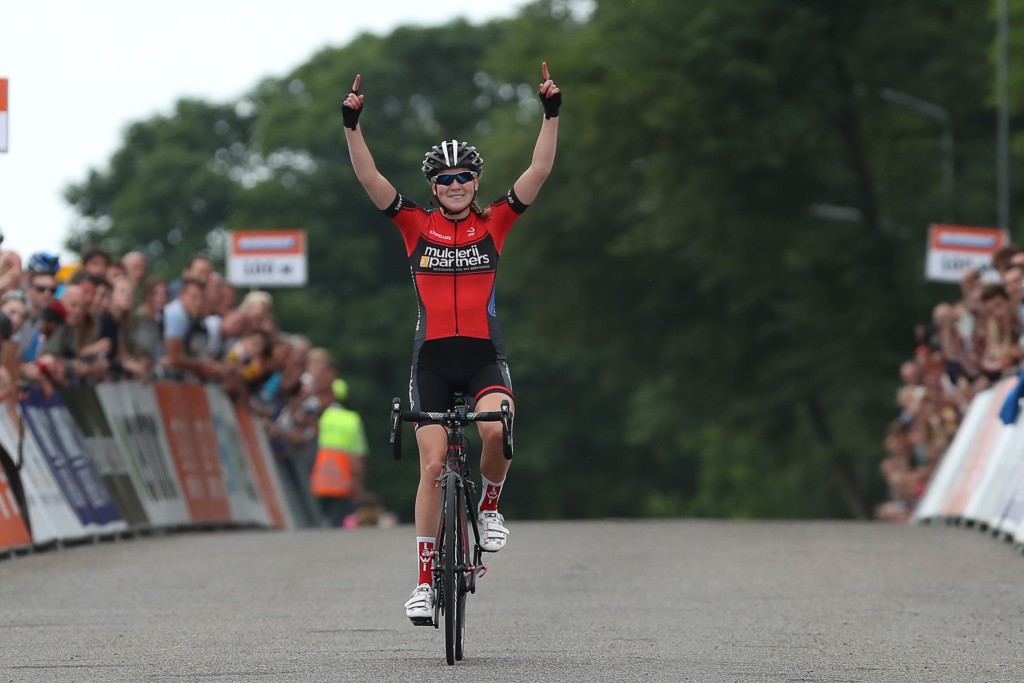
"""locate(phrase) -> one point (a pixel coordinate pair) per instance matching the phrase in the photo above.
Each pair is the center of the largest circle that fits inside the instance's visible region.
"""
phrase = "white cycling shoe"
(420, 605)
(493, 532)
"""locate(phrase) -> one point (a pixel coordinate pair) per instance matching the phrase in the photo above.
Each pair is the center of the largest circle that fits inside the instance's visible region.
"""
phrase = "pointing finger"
(355, 84)
(544, 70)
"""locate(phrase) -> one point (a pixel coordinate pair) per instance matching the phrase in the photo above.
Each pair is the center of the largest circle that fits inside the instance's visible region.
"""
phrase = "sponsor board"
(952, 249)
(267, 258)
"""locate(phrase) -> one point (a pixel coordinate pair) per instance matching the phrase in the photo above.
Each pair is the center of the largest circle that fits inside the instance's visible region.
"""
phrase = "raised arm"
(529, 184)
(381, 192)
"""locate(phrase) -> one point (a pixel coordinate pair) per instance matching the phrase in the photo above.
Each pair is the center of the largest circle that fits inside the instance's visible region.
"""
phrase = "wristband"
(350, 116)
(551, 104)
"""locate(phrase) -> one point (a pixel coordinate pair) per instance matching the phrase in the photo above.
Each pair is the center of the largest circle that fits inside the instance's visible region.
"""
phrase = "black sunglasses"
(41, 289)
(447, 179)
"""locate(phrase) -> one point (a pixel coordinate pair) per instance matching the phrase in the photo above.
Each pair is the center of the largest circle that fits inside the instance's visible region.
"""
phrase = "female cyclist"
(453, 252)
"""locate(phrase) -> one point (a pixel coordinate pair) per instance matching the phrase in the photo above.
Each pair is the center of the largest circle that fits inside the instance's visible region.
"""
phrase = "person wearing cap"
(40, 291)
(337, 479)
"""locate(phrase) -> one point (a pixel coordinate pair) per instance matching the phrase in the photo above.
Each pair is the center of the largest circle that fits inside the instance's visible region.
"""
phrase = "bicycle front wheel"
(462, 555)
(453, 529)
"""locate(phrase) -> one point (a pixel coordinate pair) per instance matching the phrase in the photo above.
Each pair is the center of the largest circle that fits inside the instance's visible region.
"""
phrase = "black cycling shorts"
(443, 367)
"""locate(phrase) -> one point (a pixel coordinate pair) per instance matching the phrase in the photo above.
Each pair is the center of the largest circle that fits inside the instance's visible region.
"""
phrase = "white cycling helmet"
(452, 154)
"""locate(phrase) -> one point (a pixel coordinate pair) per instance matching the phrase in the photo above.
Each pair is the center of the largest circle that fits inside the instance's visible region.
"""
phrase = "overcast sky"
(79, 72)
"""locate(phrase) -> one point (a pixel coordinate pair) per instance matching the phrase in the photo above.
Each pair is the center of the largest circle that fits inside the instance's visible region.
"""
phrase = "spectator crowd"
(968, 345)
(107, 319)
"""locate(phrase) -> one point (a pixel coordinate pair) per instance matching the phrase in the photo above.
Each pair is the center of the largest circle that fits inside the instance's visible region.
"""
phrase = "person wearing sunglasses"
(453, 252)
(41, 292)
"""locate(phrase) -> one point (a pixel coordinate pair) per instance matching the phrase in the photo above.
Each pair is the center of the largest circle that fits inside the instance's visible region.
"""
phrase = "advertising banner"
(1011, 512)
(261, 459)
(13, 532)
(988, 500)
(50, 515)
(934, 499)
(198, 464)
(976, 461)
(246, 503)
(3, 114)
(952, 249)
(73, 469)
(98, 442)
(135, 422)
(267, 258)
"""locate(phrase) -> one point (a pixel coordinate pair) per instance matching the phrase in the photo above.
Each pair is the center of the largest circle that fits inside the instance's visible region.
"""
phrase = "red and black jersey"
(454, 264)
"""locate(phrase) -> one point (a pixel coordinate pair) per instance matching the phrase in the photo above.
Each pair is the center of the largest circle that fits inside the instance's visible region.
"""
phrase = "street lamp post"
(1003, 119)
(941, 115)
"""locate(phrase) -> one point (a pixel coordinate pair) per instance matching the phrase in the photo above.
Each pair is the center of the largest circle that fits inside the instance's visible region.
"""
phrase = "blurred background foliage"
(708, 304)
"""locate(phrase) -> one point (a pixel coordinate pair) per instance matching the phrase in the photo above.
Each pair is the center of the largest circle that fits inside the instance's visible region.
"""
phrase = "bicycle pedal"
(421, 621)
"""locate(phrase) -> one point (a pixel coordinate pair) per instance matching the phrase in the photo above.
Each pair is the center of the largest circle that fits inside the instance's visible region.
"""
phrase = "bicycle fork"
(475, 568)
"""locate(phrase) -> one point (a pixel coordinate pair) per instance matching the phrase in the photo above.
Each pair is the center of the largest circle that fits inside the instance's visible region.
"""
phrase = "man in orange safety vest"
(337, 479)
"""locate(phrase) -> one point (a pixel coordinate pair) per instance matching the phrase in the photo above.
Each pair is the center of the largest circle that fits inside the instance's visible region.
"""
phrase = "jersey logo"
(434, 233)
(450, 259)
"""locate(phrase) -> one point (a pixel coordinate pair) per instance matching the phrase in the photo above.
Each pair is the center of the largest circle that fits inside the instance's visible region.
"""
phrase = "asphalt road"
(591, 601)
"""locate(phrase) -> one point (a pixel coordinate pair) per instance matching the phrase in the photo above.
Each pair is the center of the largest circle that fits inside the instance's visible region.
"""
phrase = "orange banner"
(268, 242)
(202, 481)
(13, 532)
(204, 440)
(258, 463)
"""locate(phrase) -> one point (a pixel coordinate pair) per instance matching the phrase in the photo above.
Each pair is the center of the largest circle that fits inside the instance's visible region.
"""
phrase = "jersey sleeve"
(505, 211)
(408, 216)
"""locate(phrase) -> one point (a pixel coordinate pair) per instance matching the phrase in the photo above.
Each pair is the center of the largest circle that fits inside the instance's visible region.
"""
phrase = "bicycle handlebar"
(449, 418)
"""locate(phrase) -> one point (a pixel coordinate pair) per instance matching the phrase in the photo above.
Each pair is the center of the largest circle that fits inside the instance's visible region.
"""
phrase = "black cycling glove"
(350, 116)
(551, 104)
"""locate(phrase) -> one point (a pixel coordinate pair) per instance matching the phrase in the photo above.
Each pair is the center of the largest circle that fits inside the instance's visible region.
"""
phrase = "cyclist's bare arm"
(530, 182)
(381, 191)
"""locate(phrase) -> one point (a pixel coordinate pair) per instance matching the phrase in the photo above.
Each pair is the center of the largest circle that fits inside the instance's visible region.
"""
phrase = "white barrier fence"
(980, 480)
(126, 456)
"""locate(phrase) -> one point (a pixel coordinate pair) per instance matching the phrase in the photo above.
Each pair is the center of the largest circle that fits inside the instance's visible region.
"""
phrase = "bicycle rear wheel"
(462, 555)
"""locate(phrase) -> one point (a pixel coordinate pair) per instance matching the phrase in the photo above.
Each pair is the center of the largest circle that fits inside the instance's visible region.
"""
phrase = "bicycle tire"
(450, 579)
(462, 555)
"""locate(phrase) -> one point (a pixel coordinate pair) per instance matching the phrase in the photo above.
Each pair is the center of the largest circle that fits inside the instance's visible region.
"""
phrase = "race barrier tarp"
(980, 479)
(1011, 508)
(200, 474)
(977, 459)
(13, 532)
(262, 460)
(98, 440)
(135, 421)
(125, 457)
(243, 491)
(50, 516)
(75, 472)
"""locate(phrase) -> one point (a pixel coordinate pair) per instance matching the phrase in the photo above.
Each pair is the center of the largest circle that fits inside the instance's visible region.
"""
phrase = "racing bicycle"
(458, 557)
